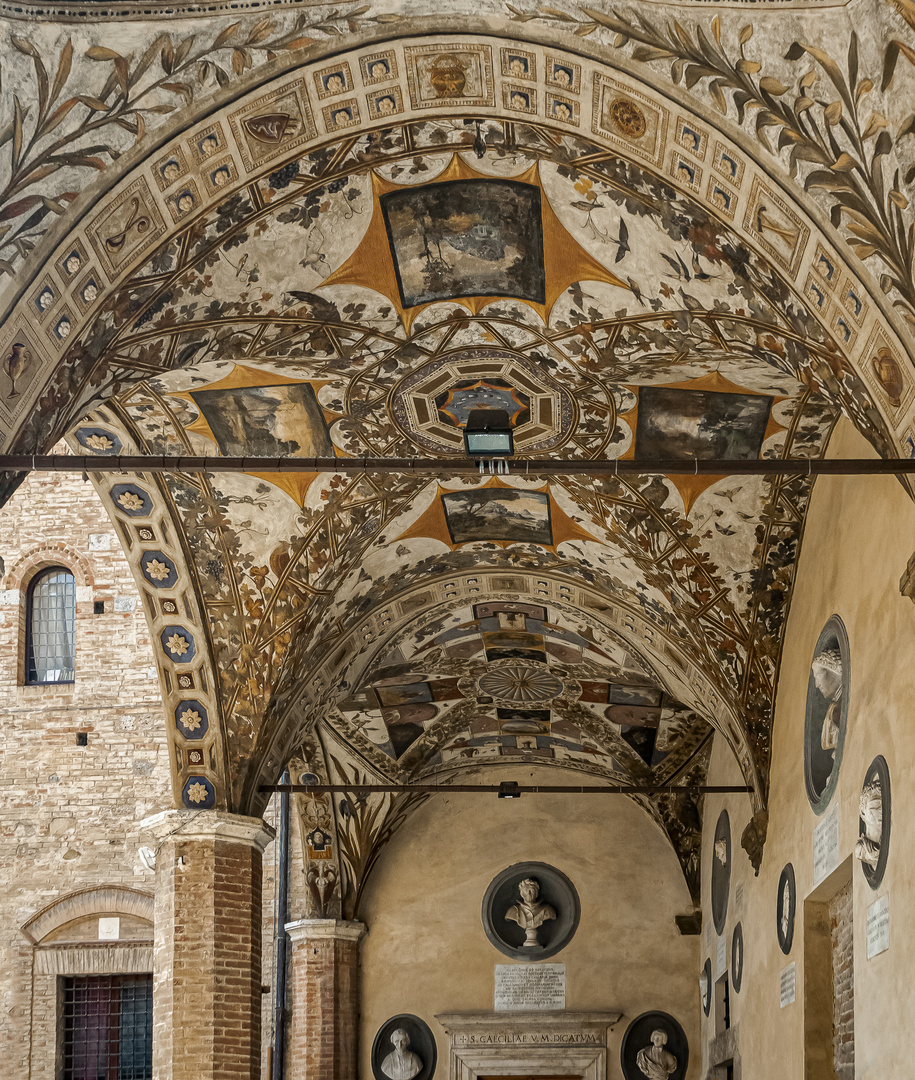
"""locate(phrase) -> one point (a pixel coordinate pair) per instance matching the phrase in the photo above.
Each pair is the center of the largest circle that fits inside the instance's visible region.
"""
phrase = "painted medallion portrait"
(466, 238)
(827, 708)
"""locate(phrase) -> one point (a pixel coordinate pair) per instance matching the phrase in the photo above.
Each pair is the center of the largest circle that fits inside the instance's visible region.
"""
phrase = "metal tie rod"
(524, 789)
(152, 463)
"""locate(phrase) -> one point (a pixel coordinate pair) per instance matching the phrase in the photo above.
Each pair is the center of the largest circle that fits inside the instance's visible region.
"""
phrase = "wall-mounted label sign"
(721, 958)
(878, 927)
(529, 986)
(826, 846)
(787, 985)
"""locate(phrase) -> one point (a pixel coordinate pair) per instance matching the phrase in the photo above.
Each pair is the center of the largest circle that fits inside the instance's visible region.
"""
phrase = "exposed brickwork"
(324, 981)
(843, 975)
(207, 992)
(69, 815)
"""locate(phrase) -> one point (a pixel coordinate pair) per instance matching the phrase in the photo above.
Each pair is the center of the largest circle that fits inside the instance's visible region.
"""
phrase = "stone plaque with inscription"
(721, 957)
(826, 846)
(524, 986)
(878, 927)
(787, 985)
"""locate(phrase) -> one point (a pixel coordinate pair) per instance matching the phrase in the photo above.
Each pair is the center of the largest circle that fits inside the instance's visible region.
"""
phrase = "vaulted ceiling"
(346, 263)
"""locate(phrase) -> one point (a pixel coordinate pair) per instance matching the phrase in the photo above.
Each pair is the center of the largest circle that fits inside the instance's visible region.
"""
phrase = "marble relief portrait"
(786, 905)
(827, 707)
(872, 846)
(654, 1047)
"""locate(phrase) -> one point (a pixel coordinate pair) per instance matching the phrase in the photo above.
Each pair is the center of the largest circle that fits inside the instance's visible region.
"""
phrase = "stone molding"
(338, 929)
(91, 901)
(208, 825)
(535, 1043)
(94, 958)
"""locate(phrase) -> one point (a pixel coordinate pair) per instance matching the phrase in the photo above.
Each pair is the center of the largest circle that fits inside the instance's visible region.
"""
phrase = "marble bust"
(786, 910)
(401, 1063)
(530, 913)
(654, 1061)
(870, 811)
(827, 676)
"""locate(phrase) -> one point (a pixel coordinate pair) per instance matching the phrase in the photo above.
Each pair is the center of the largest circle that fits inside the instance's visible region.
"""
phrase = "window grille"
(51, 627)
(107, 1027)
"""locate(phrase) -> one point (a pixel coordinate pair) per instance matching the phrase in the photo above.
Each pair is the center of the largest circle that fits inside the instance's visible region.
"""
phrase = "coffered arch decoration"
(344, 262)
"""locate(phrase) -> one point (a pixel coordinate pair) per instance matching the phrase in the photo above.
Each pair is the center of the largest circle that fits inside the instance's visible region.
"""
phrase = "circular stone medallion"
(520, 684)
(531, 902)
(827, 710)
(721, 871)
(404, 1043)
(873, 846)
(785, 907)
(737, 958)
(639, 1041)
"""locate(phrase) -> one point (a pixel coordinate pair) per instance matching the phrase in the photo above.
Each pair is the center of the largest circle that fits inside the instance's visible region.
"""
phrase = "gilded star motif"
(177, 645)
(130, 500)
(99, 442)
(158, 571)
(197, 793)
(190, 719)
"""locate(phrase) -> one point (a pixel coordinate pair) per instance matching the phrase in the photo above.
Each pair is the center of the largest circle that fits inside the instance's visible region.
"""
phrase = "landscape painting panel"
(270, 421)
(466, 238)
(498, 514)
(700, 424)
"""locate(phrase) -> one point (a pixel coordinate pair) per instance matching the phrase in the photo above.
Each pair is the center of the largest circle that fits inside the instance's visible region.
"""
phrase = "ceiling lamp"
(488, 438)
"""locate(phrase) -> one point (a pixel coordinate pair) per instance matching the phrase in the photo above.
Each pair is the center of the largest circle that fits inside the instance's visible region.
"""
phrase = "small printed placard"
(721, 958)
(109, 928)
(787, 985)
(826, 846)
(530, 986)
(878, 927)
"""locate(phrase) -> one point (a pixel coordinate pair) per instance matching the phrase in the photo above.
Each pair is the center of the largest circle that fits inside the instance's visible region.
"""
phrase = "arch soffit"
(771, 221)
(144, 517)
(88, 902)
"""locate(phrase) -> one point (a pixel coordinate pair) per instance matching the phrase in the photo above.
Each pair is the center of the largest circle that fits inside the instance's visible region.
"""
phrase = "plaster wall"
(426, 952)
(858, 539)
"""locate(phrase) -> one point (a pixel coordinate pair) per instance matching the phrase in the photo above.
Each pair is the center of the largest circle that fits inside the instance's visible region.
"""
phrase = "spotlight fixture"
(488, 438)
(509, 789)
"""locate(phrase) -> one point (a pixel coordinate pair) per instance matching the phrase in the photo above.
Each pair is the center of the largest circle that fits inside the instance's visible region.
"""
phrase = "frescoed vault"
(344, 261)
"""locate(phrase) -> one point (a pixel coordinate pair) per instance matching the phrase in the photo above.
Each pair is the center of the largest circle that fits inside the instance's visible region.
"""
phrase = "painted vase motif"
(448, 77)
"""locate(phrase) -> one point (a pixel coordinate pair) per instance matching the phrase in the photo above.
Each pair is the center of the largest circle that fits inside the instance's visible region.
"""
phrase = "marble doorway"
(541, 1045)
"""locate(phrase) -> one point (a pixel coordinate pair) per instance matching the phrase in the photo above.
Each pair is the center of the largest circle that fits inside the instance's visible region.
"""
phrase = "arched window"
(50, 616)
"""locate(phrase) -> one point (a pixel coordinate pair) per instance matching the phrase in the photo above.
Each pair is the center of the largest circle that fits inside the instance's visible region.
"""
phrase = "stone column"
(207, 973)
(324, 983)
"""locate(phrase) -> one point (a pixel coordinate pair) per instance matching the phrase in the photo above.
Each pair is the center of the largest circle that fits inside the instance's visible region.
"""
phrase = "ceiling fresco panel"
(347, 259)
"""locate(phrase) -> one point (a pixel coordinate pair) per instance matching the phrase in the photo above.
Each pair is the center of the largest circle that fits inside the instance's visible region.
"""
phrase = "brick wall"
(69, 814)
(843, 974)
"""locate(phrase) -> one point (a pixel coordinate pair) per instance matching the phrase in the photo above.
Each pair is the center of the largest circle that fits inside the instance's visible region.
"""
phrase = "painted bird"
(636, 289)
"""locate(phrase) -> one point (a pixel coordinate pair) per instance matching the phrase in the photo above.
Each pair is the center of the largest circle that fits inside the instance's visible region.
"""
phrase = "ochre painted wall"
(859, 536)
(426, 952)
